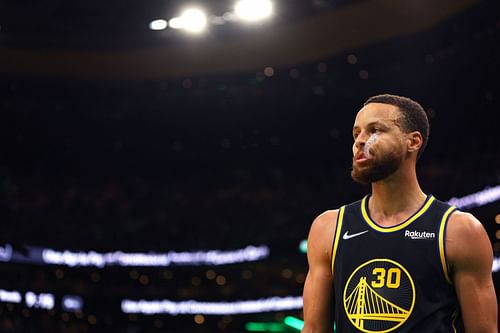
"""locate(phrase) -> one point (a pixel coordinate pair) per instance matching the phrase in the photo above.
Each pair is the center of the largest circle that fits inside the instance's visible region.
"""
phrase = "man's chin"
(374, 170)
(359, 177)
(369, 175)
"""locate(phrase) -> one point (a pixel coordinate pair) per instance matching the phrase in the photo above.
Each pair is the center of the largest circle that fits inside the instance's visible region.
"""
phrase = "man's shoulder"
(329, 217)
(464, 229)
(324, 222)
(321, 234)
(466, 237)
(324, 225)
(463, 224)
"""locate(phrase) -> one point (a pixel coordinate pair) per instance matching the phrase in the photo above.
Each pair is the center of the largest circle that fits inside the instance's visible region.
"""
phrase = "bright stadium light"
(175, 23)
(253, 10)
(193, 20)
(158, 25)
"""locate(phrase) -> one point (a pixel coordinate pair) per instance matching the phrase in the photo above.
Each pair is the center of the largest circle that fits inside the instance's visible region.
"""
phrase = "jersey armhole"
(336, 236)
(442, 242)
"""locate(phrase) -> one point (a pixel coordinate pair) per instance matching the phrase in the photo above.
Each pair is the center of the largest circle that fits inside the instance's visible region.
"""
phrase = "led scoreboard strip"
(212, 308)
(478, 199)
(37, 255)
(46, 301)
(496, 265)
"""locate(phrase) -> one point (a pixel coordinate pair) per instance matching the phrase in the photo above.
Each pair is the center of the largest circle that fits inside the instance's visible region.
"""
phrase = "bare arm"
(318, 287)
(470, 258)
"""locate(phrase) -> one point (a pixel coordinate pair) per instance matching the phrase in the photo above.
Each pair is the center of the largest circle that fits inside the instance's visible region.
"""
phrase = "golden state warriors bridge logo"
(379, 296)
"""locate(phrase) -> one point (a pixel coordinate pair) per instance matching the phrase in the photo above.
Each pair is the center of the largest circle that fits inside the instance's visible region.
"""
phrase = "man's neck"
(396, 198)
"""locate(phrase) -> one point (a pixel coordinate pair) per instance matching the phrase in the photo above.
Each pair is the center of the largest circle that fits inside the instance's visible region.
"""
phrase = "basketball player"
(399, 260)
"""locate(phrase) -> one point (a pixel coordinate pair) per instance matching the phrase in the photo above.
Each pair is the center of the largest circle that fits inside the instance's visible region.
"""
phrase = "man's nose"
(360, 140)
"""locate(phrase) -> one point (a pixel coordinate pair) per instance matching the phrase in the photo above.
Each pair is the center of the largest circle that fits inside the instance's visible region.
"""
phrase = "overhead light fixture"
(253, 10)
(175, 23)
(158, 24)
(193, 20)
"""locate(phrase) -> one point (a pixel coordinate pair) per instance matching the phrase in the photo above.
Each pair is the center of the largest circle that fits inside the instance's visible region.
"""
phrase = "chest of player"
(418, 242)
(411, 252)
(385, 278)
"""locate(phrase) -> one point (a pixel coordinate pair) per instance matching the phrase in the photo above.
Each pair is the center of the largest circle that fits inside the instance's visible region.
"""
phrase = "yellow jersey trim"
(400, 226)
(442, 251)
(338, 229)
(454, 317)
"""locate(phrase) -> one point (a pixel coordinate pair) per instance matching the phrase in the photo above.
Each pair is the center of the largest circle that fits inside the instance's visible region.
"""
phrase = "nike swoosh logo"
(347, 236)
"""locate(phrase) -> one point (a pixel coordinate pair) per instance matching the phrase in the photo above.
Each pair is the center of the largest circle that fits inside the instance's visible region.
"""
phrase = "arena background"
(120, 139)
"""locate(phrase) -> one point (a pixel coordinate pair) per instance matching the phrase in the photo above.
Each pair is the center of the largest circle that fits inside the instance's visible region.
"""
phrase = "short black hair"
(413, 116)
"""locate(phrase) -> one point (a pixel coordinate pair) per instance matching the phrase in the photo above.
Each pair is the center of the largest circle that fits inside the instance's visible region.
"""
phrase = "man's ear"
(414, 141)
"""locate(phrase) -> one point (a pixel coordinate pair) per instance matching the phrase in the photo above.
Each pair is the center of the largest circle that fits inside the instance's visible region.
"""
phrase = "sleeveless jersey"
(393, 279)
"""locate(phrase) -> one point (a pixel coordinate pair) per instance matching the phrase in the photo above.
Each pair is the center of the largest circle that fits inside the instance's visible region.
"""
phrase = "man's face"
(379, 144)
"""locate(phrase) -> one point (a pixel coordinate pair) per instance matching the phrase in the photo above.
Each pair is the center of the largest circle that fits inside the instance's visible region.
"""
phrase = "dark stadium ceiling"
(112, 39)
(108, 24)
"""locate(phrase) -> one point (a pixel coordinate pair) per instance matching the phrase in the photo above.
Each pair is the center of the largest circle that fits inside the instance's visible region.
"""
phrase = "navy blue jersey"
(393, 279)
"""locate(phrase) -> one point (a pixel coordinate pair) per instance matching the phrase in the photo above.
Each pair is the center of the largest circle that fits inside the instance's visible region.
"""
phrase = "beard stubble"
(380, 167)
